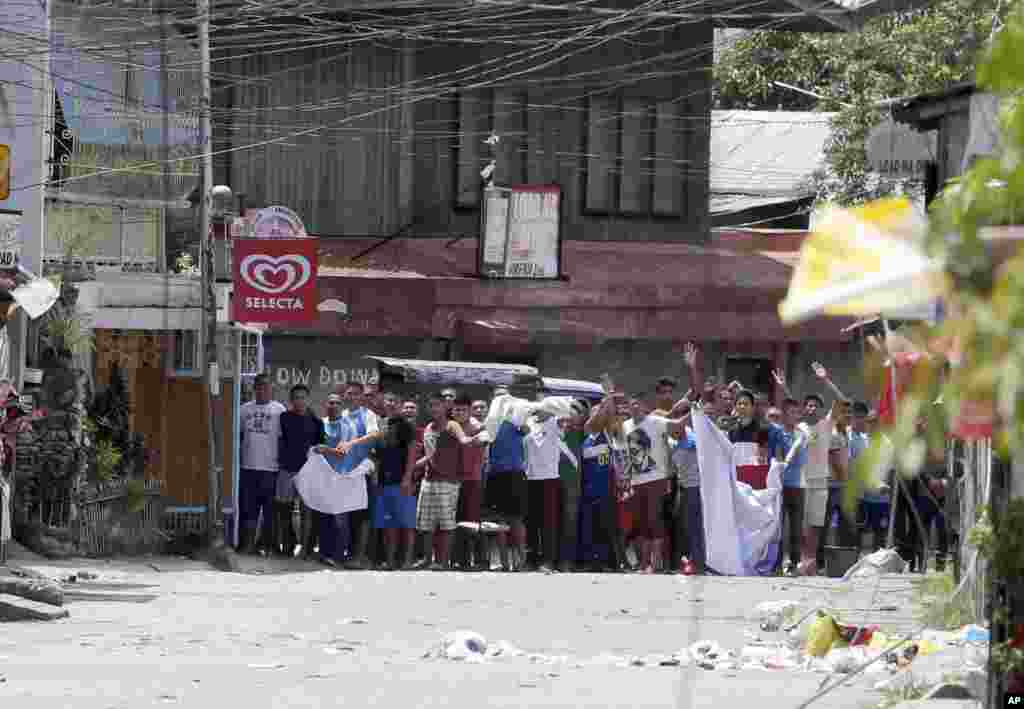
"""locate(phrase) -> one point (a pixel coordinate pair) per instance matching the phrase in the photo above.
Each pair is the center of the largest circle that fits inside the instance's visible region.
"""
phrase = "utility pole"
(208, 336)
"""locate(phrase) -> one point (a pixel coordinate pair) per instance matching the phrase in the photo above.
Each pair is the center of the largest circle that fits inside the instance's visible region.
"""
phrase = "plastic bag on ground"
(771, 615)
(974, 634)
(464, 645)
(797, 637)
(845, 660)
(883, 561)
(708, 653)
(823, 633)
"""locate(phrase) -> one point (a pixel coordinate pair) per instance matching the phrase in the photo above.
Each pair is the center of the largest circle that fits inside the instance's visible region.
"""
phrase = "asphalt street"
(296, 635)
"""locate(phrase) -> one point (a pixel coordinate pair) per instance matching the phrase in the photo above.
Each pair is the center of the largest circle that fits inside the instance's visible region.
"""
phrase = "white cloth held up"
(741, 525)
(325, 490)
(506, 407)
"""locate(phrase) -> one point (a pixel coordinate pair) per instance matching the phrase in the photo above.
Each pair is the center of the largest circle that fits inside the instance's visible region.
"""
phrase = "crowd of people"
(612, 485)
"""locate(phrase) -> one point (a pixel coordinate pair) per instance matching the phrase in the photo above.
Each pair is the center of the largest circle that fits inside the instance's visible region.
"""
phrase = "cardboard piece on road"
(13, 608)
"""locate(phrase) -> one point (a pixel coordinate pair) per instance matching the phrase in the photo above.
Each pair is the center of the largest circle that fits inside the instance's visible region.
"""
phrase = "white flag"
(741, 525)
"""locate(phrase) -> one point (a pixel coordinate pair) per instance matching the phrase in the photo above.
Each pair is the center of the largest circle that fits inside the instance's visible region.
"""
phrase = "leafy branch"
(857, 76)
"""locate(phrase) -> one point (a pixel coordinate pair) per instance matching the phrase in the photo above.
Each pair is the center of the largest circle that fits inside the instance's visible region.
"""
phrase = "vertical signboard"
(275, 280)
(10, 239)
(521, 233)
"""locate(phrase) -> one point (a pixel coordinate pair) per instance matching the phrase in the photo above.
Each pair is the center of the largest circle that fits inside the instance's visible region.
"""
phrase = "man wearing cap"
(260, 432)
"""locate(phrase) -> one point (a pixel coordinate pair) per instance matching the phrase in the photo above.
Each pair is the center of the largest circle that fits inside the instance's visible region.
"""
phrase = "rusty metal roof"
(451, 373)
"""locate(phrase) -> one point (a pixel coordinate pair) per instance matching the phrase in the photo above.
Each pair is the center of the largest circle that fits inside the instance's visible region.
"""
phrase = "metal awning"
(416, 371)
(572, 387)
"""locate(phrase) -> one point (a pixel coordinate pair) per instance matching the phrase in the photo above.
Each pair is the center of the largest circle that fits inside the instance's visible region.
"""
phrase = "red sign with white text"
(275, 280)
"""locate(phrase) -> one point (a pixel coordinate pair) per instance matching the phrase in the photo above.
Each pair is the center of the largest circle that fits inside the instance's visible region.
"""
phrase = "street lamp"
(221, 199)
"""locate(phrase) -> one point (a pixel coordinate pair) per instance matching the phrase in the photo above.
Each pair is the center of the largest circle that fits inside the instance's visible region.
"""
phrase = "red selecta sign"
(275, 280)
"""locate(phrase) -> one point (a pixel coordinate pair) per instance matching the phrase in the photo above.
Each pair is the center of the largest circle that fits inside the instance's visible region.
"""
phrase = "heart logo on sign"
(275, 274)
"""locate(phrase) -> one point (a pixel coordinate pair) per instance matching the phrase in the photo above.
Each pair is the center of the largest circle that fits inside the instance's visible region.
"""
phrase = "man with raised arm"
(827, 459)
(649, 466)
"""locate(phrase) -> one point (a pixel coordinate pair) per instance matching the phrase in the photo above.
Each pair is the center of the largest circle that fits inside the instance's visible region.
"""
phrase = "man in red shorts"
(472, 547)
(649, 472)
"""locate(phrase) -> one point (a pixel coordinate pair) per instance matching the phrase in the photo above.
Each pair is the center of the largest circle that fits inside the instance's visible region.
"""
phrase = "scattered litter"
(974, 634)
(883, 561)
(504, 649)
(338, 650)
(353, 621)
(270, 666)
(771, 615)
(321, 675)
(710, 655)
(671, 662)
(463, 646)
(822, 634)
(845, 660)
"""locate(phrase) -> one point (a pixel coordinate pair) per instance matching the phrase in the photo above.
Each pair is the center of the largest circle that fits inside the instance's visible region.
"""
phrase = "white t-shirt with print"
(542, 450)
(817, 472)
(261, 434)
(647, 451)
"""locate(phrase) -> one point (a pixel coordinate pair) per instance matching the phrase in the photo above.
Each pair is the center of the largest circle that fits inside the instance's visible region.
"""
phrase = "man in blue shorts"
(395, 511)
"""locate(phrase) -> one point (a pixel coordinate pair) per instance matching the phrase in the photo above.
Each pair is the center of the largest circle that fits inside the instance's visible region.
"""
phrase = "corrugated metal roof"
(735, 203)
(451, 373)
(769, 155)
(572, 387)
(367, 273)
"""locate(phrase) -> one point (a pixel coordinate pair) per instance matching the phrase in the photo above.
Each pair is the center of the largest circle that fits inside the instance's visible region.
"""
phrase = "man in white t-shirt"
(544, 488)
(649, 470)
(260, 432)
(827, 460)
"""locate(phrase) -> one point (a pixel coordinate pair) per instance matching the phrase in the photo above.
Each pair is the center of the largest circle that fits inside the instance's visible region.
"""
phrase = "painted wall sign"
(897, 151)
(323, 376)
(275, 280)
